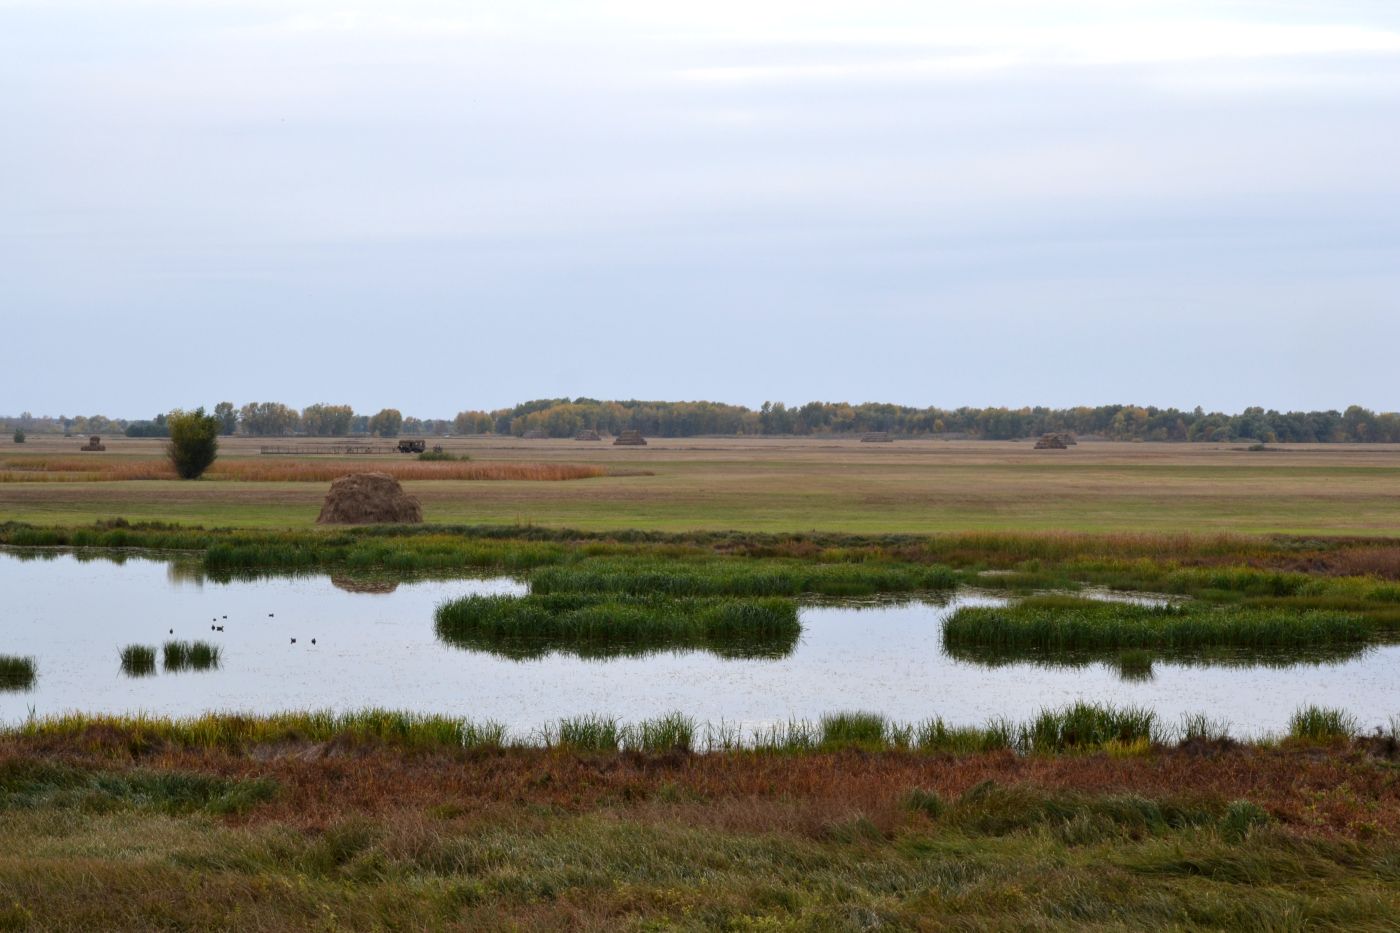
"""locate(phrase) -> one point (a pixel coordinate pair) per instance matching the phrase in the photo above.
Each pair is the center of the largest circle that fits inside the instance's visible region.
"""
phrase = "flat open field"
(770, 484)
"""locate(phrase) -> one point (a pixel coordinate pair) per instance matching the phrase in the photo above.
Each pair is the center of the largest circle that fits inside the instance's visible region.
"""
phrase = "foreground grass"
(303, 833)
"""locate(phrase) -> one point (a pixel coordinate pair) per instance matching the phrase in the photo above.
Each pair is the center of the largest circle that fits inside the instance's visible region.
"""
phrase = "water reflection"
(377, 646)
(768, 646)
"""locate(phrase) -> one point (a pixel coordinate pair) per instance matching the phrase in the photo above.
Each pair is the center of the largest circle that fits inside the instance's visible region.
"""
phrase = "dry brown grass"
(79, 470)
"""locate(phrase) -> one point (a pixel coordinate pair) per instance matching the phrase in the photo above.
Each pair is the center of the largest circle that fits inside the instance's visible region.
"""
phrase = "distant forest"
(563, 417)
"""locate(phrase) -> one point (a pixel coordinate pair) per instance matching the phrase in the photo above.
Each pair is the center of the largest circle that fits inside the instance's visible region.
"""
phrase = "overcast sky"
(438, 206)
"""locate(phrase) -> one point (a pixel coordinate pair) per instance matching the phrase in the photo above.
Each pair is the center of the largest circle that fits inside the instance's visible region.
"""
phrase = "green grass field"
(802, 485)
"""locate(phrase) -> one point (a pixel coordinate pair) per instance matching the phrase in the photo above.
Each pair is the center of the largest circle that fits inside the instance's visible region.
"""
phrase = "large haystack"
(630, 438)
(1050, 442)
(94, 443)
(587, 435)
(369, 499)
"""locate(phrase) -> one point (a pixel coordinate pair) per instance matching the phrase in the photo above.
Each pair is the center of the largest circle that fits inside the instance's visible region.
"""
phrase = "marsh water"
(375, 645)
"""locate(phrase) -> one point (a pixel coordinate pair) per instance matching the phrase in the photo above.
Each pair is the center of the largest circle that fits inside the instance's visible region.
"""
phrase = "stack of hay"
(876, 437)
(1050, 442)
(94, 443)
(369, 499)
(1068, 439)
(630, 439)
(587, 436)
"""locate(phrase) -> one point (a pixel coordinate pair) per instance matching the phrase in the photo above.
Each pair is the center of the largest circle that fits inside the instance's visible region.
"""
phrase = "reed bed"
(601, 625)
(17, 673)
(1067, 626)
(190, 656)
(641, 576)
(105, 469)
(138, 660)
(1075, 728)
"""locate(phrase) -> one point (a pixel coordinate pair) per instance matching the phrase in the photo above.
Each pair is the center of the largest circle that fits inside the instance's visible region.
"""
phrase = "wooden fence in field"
(338, 450)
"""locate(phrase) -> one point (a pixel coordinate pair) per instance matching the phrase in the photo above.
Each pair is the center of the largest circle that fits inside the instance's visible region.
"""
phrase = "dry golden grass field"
(758, 484)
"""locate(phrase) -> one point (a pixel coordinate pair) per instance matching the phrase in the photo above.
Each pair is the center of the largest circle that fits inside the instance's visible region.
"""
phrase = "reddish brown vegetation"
(1346, 791)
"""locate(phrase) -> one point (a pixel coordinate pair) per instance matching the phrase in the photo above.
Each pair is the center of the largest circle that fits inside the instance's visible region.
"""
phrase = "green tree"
(19, 435)
(327, 420)
(386, 423)
(268, 418)
(228, 417)
(194, 441)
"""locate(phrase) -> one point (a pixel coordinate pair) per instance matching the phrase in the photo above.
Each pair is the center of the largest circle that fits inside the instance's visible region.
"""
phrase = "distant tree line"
(563, 417)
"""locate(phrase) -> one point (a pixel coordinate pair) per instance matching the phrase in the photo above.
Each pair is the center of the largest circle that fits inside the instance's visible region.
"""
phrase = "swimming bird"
(313, 641)
(172, 631)
(269, 615)
(221, 628)
(294, 641)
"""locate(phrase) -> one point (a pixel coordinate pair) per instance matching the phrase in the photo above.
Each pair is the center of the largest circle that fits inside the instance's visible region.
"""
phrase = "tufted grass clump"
(862, 730)
(138, 660)
(17, 673)
(190, 656)
(674, 732)
(1085, 726)
(588, 733)
(1321, 724)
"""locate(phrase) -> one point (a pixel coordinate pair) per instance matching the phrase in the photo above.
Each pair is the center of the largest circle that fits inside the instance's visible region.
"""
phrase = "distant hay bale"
(587, 436)
(1050, 442)
(630, 439)
(1069, 439)
(369, 499)
(94, 443)
(876, 437)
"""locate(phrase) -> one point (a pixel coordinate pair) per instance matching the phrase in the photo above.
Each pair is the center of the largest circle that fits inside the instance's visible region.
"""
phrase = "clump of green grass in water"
(1135, 665)
(853, 730)
(593, 625)
(433, 456)
(138, 660)
(1068, 626)
(1084, 726)
(17, 673)
(1320, 724)
(190, 656)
